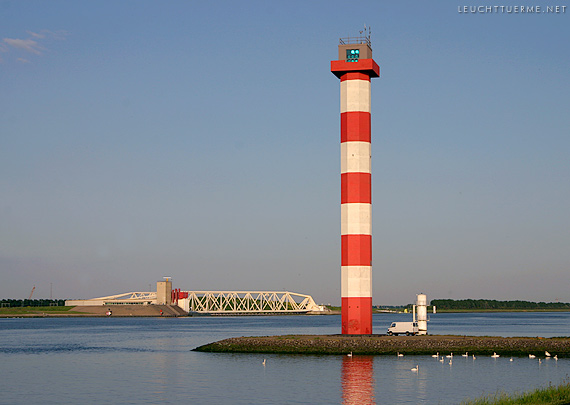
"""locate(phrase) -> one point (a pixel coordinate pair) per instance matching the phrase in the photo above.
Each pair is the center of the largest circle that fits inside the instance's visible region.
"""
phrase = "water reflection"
(358, 380)
(164, 364)
(149, 360)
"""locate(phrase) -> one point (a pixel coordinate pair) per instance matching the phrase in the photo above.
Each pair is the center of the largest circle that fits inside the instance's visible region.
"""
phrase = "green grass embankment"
(551, 395)
(35, 311)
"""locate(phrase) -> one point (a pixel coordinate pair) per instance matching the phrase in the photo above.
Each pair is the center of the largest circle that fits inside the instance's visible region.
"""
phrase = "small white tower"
(421, 303)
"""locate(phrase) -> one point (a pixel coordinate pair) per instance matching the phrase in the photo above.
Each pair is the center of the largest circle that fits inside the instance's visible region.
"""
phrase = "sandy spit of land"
(390, 345)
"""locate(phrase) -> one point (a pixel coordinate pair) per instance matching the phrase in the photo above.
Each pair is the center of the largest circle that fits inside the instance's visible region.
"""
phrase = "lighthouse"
(355, 67)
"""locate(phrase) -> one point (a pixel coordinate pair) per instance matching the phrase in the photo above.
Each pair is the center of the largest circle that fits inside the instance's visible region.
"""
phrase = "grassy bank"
(39, 311)
(390, 345)
(551, 395)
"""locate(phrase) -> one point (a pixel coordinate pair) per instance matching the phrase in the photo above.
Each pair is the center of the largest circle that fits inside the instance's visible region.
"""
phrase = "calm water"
(149, 360)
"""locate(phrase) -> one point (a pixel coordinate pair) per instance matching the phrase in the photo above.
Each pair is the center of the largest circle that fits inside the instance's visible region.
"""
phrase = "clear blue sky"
(200, 140)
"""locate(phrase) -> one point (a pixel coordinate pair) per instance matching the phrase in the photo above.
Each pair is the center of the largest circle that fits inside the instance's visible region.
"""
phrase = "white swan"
(495, 355)
(349, 354)
(435, 356)
(415, 369)
(449, 356)
(474, 357)
(555, 357)
(511, 359)
(399, 354)
(546, 354)
(465, 355)
(441, 360)
(531, 356)
(450, 362)
(263, 362)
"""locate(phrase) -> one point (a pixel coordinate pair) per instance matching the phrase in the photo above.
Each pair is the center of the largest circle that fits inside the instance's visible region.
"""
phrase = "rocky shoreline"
(390, 345)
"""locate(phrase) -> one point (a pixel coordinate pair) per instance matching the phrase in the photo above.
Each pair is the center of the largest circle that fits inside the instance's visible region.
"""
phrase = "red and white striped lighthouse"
(354, 68)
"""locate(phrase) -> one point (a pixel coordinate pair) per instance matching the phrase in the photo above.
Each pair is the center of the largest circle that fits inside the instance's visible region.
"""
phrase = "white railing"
(130, 296)
(145, 298)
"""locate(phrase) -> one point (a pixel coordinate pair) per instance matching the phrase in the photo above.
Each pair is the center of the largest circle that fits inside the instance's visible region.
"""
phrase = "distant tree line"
(388, 306)
(494, 304)
(32, 303)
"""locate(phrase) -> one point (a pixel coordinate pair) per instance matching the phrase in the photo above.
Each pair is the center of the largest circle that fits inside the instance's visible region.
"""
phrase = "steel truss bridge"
(250, 302)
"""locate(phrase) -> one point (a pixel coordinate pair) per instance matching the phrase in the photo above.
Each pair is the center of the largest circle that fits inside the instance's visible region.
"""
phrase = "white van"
(409, 328)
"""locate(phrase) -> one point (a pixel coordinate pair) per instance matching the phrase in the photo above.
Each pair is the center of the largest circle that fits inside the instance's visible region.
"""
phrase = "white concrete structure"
(164, 292)
(421, 303)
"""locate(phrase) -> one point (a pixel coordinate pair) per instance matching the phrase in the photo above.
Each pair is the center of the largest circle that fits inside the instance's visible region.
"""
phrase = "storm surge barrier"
(250, 302)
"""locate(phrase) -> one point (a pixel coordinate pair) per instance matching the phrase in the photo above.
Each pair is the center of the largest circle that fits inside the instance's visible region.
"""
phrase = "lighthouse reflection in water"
(358, 380)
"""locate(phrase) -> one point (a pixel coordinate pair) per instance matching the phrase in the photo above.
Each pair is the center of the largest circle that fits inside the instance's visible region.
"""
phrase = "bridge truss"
(130, 297)
(250, 302)
(145, 298)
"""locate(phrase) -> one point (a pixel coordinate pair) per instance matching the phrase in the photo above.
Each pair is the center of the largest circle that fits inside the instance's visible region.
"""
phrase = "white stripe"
(355, 95)
(355, 157)
(356, 219)
(356, 281)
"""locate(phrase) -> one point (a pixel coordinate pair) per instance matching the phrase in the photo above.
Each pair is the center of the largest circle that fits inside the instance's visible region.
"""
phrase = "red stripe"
(357, 316)
(354, 76)
(366, 66)
(356, 250)
(355, 126)
(355, 188)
